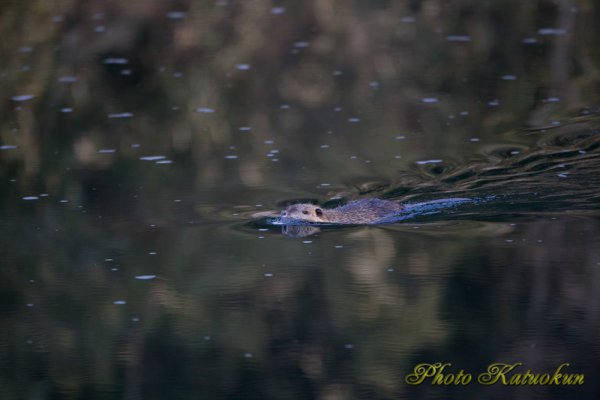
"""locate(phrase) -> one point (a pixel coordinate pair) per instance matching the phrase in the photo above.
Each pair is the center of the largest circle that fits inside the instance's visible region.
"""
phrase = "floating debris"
(430, 100)
(205, 110)
(106, 151)
(145, 277)
(22, 97)
(119, 302)
(8, 147)
(29, 198)
(458, 38)
(176, 15)
(552, 31)
(121, 115)
(152, 158)
(67, 79)
(116, 60)
(423, 162)
(243, 67)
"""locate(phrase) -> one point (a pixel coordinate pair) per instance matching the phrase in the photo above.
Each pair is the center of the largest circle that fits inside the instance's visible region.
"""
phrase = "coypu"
(358, 212)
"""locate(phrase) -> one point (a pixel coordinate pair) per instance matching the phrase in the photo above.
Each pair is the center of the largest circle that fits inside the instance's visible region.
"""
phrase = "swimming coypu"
(358, 212)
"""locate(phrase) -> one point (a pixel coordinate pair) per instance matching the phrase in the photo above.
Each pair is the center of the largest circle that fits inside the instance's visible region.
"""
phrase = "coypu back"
(366, 211)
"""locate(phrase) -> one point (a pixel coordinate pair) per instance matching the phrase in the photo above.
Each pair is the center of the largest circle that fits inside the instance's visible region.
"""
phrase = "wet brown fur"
(359, 212)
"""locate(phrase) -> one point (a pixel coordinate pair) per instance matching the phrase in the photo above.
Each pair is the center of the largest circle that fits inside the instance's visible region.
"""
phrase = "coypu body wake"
(358, 212)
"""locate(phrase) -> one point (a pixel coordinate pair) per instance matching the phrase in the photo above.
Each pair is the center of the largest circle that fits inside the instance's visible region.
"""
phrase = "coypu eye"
(319, 212)
(305, 212)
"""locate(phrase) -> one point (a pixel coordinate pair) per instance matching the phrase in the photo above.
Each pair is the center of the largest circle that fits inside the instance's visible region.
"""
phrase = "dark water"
(143, 145)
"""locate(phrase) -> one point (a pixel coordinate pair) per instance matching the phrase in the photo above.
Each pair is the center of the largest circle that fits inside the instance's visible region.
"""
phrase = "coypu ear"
(319, 212)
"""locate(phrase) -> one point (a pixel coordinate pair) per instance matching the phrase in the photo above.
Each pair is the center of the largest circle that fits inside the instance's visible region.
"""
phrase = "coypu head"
(304, 212)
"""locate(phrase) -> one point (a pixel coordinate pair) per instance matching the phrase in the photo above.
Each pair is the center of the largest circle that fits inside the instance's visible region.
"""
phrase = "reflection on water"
(138, 140)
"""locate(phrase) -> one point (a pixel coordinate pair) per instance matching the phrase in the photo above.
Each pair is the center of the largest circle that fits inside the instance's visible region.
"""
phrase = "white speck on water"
(119, 302)
(582, 152)
(43, 195)
(63, 201)
(374, 84)
(494, 103)
(125, 72)
(152, 253)
(285, 106)
(430, 100)
(555, 123)
(261, 237)
(563, 175)
(464, 113)
(121, 115)
(248, 355)
(152, 158)
(100, 29)
(66, 110)
(515, 152)
(530, 40)
(552, 31)
(275, 160)
(338, 246)
(136, 145)
(29, 305)
(115, 60)
(324, 146)
(474, 139)
(231, 157)
(98, 16)
(67, 79)
(245, 128)
(348, 346)
(277, 10)
(390, 270)
(337, 72)
(509, 77)
(551, 100)
(301, 44)
(109, 259)
(458, 38)
(205, 110)
(307, 241)
(337, 109)
(57, 18)
(263, 229)
(353, 119)
(22, 97)
(164, 162)
(397, 157)
(401, 137)
(8, 147)
(177, 74)
(268, 274)
(25, 49)
(509, 240)
(353, 157)
(30, 198)
(176, 15)
(423, 162)
(145, 277)
(274, 151)
(114, 269)
(206, 337)
(243, 67)
(269, 142)
(324, 184)
(106, 151)
(135, 319)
